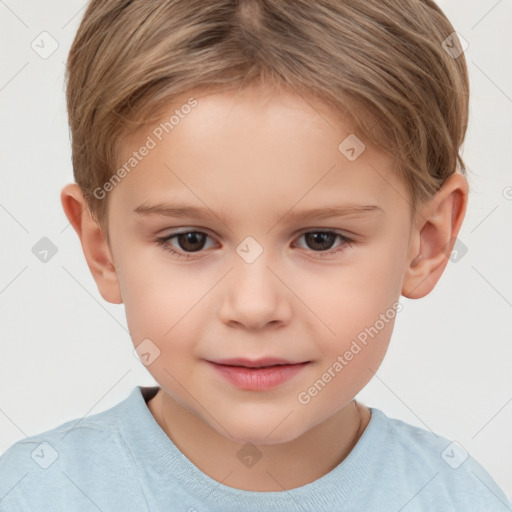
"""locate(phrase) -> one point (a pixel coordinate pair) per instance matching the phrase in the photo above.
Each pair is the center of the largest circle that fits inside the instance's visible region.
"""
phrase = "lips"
(257, 374)
(256, 363)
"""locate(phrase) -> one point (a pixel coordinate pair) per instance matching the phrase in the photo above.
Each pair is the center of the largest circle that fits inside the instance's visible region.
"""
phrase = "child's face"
(254, 161)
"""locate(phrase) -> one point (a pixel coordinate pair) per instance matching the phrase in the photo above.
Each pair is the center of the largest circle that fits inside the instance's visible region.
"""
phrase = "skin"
(251, 156)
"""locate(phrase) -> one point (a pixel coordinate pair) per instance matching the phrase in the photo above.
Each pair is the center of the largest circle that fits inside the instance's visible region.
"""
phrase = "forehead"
(235, 147)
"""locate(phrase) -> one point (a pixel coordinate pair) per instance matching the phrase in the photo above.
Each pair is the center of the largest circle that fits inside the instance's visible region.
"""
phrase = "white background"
(66, 353)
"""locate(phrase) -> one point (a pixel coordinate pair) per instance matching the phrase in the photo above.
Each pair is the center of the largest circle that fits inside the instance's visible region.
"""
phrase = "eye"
(188, 242)
(322, 241)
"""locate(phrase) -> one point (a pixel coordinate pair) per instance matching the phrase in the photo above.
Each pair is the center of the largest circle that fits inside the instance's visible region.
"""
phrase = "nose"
(254, 297)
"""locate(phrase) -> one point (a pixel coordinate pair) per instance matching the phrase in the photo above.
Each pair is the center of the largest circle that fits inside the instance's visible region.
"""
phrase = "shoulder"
(68, 462)
(430, 469)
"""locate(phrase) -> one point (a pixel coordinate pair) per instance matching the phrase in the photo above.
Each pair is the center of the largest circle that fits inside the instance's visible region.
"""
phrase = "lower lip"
(258, 379)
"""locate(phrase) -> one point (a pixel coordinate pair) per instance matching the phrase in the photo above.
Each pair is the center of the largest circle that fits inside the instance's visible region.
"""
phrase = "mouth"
(266, 362)
(257, 375)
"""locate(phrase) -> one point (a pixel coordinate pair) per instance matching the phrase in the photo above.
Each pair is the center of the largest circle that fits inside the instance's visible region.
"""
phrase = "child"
(311, 151)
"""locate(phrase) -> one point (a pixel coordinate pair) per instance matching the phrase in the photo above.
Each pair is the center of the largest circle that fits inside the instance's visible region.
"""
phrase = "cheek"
(159, 297)
(359, 304)
(352, 296)
(350, 359)
(160, 308)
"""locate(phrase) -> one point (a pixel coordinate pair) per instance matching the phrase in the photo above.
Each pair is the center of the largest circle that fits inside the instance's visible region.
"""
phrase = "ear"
(96, 249)
(435, 230)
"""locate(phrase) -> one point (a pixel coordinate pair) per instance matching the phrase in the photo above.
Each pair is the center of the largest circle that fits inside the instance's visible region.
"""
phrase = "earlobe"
(434, 235)
(96, 250)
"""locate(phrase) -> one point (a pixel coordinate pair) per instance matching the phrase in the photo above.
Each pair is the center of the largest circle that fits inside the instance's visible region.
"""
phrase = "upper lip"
(255, 363)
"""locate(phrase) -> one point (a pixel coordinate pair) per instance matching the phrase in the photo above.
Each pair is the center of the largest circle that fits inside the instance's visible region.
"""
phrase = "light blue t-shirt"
(121, 460)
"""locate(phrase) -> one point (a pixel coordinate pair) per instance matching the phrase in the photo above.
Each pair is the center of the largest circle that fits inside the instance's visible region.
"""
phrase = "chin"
(263, 431)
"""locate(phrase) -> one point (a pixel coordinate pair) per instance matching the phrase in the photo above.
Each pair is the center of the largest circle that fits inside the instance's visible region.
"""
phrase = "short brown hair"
(381, 61)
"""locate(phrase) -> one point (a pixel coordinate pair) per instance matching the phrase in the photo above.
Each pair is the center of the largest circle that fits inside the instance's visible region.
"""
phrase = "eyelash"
(164, 242)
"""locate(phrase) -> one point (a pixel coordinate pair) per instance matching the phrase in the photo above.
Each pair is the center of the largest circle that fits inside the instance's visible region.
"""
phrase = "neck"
(282, 466)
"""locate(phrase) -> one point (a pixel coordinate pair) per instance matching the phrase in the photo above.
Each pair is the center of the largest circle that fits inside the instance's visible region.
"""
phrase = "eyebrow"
(178, 210)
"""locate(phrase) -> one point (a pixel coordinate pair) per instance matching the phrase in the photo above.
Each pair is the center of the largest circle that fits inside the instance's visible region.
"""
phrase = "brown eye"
(184, 244)
(320, 241)
(324, 243)
(191, 241)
